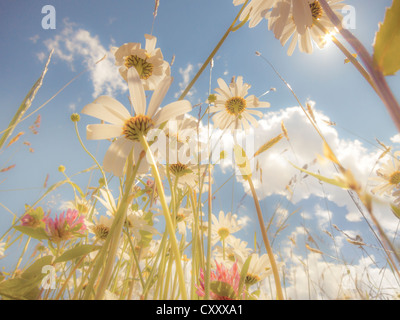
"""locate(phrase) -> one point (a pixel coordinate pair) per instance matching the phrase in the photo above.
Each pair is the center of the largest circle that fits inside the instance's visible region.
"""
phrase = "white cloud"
(73, 44)
(186, 75)
(34, 38)
(302, 150)
(315, 278)
(323, 216)
(395, 138)
(41, 56)
(72, 107)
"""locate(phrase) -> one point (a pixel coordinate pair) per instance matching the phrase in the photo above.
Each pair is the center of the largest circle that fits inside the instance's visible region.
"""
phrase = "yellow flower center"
(316, 10)
(143, 67)
(178, 169)
(137, 126)
(251, 279)
(231, 257)
(235, 105)
(395, 178)
(180, 217)
(223, 233)
(101, 231)
(82, 208)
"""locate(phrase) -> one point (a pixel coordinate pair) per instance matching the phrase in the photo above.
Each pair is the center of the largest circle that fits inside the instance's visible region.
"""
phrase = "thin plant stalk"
(349, 56)
(215, 50)
(270, 253)
(377, 76)
(118, 222)
(167, 216)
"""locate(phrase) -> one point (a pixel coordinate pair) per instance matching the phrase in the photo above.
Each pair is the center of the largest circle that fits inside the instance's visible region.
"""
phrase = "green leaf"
(26, 287)
(146, 236)
(26, 103)
(223, 289)
(76, 252)
(387, 41)
(243, 273)
(19, 289)
(36, 267)
(36, 233)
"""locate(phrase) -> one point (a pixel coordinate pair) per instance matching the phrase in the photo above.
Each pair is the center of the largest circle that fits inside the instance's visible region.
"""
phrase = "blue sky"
(188, 30)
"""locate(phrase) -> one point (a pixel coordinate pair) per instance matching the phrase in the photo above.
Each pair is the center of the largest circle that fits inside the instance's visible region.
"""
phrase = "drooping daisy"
(137, 224)
(259, 269)
(232, 107)
(255, 9)
(127, 128)
(185, 175)
(184, 218)
(235, 250)
(388, 176)
(101, 227)
(296, 19)
(149, 62)
(81, 204)
(224, 226)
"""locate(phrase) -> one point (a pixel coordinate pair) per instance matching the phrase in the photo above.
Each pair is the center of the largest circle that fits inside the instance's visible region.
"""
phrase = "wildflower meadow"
(200, 150)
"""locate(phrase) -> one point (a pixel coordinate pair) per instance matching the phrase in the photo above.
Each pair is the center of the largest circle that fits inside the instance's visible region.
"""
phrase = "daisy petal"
(171, 111)
(301, 15)
(144, 165)
(117, 106)
(136, 91)
(158, 96)
(107, 112)
(150, 43)
(102, 131)
(284, 10)
(116, 155)
(224, 88)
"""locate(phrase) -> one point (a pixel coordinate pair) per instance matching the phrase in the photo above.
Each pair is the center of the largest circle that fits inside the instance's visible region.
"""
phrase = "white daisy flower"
(136, 223)
(101, 227)
(235, 250)
(107, 200)
(149, 62)
(296, 19)
(232, 107)
(259, 269)
(81, 204)
(224, 226)
(184, 218)
(127, 128)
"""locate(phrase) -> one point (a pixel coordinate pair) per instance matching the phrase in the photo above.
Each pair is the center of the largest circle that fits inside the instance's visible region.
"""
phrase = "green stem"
(118, 222)
(167, 216)
(377, 76)
(87, 151)
(230, 29)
